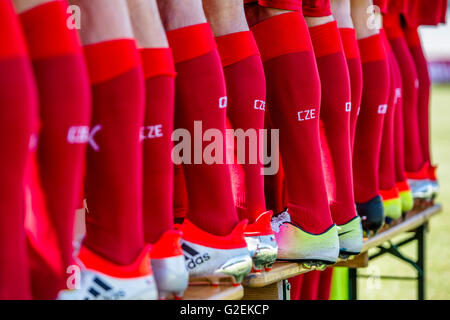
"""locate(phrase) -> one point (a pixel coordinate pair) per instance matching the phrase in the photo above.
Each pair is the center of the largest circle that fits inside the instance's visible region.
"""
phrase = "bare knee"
(364, 18)
(177, 14)
(342, 13)
(103, 20)
(147, 26)
(225, 17)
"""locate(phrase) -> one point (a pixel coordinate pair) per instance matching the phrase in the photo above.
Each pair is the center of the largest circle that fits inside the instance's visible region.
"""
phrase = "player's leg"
(387, 177)
(341, 10)
(293, 99)
(415, 165)
(159, 72)
(415, 47)
(64, 112)
(335, 121)
(369, 126)
(200, 101)
(246, 92)
(113, 251)
(18, 103)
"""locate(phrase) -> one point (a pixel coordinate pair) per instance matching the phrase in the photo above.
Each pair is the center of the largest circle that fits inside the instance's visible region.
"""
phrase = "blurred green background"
(438, 238)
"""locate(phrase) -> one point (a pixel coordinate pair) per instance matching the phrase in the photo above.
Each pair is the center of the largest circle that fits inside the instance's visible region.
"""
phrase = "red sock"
(64, 112)
(293, 5)
(201, 96)
(310, 285)
(324, 290)
(296, 286)
(180, 198)
(114, 161)
(274, 185)
(18, 102)
(293, 99)
(369, 127)
(399, 143)
(415, 47)
(246, 90)
(351, 49)
(387, 177)
(157, 143)
(413, 153)
(335, 114)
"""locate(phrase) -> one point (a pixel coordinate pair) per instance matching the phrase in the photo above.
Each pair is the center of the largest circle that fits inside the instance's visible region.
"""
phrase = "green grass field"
(438, 239)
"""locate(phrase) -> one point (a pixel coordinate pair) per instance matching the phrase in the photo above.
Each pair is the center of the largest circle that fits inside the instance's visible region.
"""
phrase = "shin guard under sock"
(18, 102)
(64, 113)
(114, 158)
(350, 44)
(369, 127)
(200, 97)
(157, 144)
(246, 91)
(293, 100)
(413, 153)
(335, 115)
(415, 47)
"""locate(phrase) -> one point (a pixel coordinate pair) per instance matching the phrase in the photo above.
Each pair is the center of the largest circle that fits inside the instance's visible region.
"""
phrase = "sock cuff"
(371, 49)
(157, 62)
(236, 47)
(385, 40)
(275, 40)
(392, 26)
(10, 33)
(191, 42)
(412, 37)
(325, 39)
(46, 31)
(109, 59)
(349, 43)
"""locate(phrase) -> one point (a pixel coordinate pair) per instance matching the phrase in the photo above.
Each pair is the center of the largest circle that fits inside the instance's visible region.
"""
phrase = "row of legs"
(93, 120)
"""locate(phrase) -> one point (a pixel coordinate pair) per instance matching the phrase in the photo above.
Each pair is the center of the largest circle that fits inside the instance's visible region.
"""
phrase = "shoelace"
(279, 220)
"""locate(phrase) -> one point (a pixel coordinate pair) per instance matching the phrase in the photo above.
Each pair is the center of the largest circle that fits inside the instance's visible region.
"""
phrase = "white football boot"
(168, 266)
(212, 258)
(95, 278)
(350, 238)
(312, 250)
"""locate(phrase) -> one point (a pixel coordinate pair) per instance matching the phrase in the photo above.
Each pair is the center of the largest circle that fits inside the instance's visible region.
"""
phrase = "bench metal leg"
(418, 265)
(421, 243)
(284, 290)
(352, 284)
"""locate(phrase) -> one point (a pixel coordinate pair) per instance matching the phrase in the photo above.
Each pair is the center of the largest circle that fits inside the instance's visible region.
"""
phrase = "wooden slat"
(214, 293)
(360, 261)
(269, 292)
(280, 271)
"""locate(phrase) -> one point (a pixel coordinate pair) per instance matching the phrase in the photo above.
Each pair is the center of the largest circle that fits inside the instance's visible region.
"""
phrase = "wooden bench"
(205, 292)
(274, 284)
